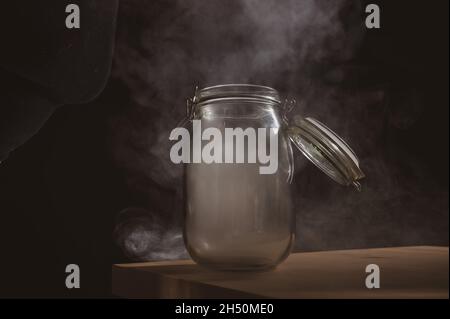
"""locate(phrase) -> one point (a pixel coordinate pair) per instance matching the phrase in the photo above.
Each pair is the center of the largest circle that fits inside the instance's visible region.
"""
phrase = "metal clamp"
(286, 107)
(190, 109)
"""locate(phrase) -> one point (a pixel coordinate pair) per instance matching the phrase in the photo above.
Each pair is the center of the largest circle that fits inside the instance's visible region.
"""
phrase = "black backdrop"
(60, 193)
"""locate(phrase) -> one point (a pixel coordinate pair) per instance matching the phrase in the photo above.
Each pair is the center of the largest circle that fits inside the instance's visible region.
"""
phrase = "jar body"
(235, 217)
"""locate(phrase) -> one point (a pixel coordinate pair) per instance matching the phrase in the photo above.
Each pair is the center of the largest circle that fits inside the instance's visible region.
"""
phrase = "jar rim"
(237, 91)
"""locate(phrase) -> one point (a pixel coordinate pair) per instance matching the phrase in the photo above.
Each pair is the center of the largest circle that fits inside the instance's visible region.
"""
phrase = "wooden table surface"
(405, 272)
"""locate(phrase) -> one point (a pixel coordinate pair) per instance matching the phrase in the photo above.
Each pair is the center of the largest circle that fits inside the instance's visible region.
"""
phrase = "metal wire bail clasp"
(190, 109)
(286, 107)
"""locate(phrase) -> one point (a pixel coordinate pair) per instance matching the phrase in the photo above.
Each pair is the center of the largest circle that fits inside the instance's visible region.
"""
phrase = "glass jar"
(239, 212)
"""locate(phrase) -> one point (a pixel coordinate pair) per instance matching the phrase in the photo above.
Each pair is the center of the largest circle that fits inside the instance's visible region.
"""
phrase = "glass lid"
(326, 150)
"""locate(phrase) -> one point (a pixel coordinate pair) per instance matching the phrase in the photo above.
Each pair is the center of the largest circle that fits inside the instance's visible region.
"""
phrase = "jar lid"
(326, 150)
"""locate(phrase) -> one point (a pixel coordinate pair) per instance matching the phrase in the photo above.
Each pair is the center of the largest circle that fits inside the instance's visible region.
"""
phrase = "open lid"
(326, 150)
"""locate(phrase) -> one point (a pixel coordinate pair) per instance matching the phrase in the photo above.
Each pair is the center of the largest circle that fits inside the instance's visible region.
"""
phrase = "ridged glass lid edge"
(326, 150)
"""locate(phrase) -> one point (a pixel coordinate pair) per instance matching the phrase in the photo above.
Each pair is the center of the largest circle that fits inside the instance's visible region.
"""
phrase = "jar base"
(240, 266)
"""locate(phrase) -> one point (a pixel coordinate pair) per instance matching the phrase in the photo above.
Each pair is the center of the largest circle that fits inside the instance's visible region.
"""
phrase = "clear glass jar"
(235, 217)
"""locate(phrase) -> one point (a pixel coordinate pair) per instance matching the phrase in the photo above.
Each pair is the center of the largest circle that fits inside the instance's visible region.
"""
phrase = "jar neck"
(234, 100)
(240, 92)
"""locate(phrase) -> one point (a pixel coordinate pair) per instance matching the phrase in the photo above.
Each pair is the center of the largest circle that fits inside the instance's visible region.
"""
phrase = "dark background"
(385, 91)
